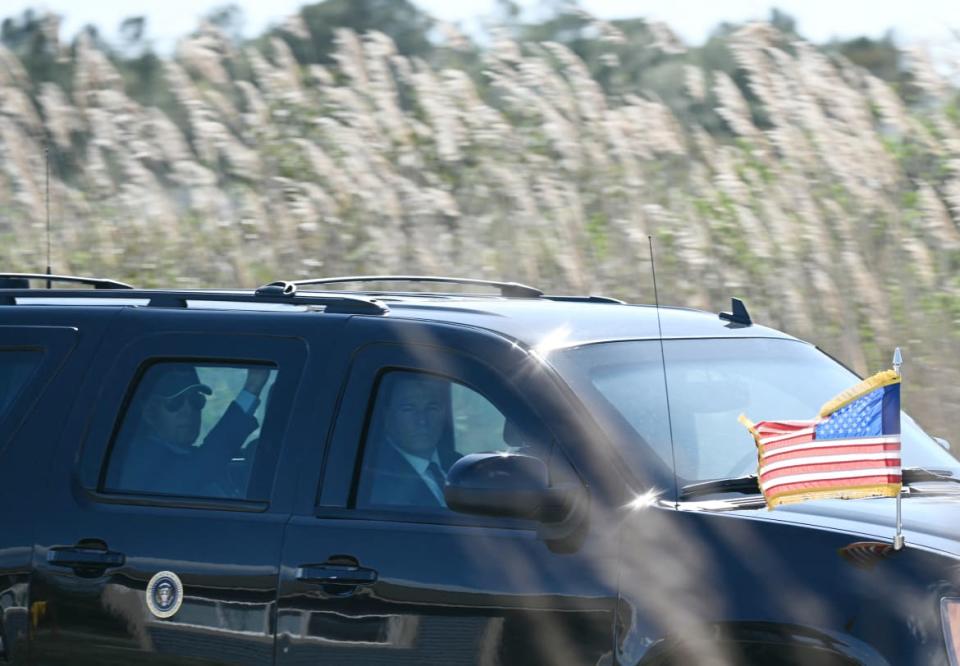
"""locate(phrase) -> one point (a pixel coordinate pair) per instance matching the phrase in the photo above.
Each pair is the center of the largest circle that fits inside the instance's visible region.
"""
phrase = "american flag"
(851, 450)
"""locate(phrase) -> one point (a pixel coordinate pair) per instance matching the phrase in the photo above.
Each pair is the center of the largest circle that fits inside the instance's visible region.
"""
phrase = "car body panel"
(68, 347)
(448, 589)
(930, 521)
(709, 583)
(225, 553)
(557, 324)
(641, 580)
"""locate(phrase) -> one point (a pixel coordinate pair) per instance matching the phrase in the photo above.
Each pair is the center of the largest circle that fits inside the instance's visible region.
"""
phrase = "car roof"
(543, 322)
(521, 313)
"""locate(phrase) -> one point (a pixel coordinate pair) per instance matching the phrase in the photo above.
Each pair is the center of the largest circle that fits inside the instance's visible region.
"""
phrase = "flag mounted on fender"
(850, 450)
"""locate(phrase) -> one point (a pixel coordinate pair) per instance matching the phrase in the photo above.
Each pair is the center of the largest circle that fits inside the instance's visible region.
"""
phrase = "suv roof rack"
(507, 289)
(585, 299)
(274, 292)
(178, 299)
(22, 281)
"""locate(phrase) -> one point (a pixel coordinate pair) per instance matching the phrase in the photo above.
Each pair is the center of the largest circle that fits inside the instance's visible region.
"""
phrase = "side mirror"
(943, 443)
(508, 485)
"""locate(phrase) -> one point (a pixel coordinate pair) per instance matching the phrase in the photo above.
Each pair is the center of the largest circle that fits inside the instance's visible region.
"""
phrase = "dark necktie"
(435, 473)
(433, 469)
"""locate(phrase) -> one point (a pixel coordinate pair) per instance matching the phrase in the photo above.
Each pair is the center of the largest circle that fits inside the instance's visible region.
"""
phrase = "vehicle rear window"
(16, 368)
(194, 430)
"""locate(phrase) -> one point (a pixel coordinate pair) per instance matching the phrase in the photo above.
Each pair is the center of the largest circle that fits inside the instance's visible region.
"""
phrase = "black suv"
(300, 474)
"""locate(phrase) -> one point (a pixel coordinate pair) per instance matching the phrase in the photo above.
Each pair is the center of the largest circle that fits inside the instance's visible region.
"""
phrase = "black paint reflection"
(431, 625)
(215, 626)
(357, 630)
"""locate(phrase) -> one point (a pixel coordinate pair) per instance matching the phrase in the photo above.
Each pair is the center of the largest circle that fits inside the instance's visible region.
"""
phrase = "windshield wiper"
(749, 485)
(918, 474)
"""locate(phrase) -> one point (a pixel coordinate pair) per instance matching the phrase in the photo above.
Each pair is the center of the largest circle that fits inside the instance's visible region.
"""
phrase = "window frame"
(128, 401)
(38, 354)
(339, 480)
(54, 343)
(288, 355)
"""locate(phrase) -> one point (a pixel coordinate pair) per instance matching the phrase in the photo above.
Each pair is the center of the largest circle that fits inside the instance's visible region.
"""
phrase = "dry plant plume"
(384, 163)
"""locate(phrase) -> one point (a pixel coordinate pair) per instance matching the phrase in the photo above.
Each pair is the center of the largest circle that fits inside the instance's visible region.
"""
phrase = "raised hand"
(256, 378)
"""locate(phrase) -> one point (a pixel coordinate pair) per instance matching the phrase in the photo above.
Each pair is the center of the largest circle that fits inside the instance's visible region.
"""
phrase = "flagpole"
(898, 539)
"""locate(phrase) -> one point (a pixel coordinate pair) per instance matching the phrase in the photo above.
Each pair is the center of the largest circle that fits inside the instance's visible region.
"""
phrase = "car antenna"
(663, 362)
(46, 165)
(738, 314)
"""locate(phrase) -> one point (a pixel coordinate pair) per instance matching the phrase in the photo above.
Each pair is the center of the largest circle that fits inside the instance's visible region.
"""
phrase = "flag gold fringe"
(879, 380)
(751, 426)
(852, 492)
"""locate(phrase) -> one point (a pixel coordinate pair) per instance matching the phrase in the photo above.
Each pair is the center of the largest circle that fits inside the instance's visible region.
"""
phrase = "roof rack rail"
(178, 299)
(21, 281)
(585, 299)
(507, 289)
(339, 304)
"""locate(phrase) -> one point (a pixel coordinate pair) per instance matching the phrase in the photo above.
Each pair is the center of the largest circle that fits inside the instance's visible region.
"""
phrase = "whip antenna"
(663, 362)
(46, 164)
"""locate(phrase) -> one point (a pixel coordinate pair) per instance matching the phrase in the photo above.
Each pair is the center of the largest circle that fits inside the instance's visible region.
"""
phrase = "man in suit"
(161, 455)
(414, 448)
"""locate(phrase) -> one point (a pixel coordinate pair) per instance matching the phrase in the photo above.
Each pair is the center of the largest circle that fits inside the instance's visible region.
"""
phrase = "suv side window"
(191, 429)
(16, 367)
(420, 425)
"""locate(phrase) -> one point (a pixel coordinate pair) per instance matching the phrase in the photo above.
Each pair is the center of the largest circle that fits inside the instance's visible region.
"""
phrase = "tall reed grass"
(837, 218)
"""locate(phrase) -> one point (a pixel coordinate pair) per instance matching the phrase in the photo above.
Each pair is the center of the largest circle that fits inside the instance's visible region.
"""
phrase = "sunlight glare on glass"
(645, 500)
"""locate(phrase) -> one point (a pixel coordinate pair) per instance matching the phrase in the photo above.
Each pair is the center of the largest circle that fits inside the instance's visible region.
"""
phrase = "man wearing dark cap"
(162, 456)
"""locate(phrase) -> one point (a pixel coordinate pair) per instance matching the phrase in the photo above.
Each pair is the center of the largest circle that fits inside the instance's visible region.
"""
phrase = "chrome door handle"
(77, 557)
(336, 574)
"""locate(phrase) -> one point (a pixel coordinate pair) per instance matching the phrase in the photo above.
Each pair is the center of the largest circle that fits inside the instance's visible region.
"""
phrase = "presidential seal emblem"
(164, 594)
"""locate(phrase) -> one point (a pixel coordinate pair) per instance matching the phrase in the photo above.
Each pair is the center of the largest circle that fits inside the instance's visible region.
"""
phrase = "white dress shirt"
(421, 464)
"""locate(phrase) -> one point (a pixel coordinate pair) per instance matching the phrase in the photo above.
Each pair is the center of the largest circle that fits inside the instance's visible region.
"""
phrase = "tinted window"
(711, 382)
(192, 429)
(16, 367)
(420, 425)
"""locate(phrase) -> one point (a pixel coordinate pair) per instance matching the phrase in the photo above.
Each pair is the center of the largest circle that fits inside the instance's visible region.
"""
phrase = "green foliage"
(597, 229)
(29, 38)
(866, 323)
(952, 110)
(144, 82)
(401, 20)
(880, 56)
(883, 59)
(229, 18)
(919, 164)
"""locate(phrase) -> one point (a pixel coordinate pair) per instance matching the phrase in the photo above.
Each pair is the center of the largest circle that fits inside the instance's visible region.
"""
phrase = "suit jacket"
(394, 481)
(150, 465)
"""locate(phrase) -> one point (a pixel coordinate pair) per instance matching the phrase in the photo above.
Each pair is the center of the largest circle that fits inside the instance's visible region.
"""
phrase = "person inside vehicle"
(414, 448)
(162, 455)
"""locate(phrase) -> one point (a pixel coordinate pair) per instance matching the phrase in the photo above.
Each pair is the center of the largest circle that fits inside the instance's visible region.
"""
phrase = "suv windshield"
(711, 382)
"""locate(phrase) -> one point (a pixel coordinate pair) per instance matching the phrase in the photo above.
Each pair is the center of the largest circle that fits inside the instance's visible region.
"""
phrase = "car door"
(401, 580)
(33, 360)
(155, 551)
